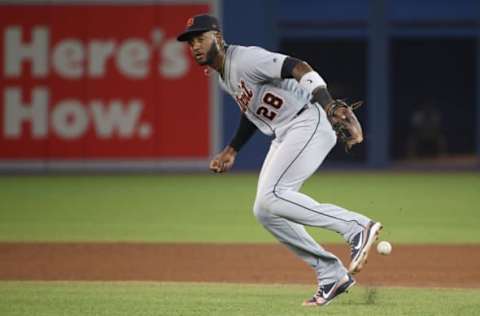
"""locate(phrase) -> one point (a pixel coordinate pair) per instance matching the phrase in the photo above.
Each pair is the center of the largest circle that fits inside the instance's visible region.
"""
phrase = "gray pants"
(295, 154)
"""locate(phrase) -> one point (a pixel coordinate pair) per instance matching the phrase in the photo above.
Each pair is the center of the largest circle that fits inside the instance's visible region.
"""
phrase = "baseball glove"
(344, 122)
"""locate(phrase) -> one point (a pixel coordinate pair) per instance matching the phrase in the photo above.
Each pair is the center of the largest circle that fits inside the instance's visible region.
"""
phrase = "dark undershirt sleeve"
(245, 131)
(288, 64)
(320, 95)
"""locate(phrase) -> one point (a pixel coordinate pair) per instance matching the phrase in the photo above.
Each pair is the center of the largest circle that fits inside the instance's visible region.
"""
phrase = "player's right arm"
(225, 159)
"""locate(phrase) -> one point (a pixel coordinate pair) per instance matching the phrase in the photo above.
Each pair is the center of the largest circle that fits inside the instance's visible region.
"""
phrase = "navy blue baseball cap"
(199, 24)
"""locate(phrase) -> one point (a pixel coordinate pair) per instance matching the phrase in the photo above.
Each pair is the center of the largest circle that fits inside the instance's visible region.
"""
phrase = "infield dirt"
(408, 265)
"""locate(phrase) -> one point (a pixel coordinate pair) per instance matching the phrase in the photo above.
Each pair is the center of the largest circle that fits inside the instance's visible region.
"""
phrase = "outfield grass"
(415, 208)
(95, 298)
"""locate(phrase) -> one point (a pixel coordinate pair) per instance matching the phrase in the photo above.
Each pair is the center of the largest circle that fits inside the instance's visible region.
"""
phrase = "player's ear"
(219, 39)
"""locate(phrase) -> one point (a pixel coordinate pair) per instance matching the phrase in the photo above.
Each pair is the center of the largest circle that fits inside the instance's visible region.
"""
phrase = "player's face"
(204, 48)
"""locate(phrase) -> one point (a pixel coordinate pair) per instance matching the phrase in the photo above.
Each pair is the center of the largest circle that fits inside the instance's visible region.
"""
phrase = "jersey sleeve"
(262, 65)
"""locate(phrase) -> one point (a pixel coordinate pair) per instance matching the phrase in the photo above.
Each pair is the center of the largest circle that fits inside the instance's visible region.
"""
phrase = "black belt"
(302, 110)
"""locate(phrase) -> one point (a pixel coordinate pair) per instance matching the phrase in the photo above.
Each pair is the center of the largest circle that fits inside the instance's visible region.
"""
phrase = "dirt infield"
(423, 266)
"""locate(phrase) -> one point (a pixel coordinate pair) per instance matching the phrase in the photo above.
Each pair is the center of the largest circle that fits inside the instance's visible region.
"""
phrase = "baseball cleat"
(326, 293)
(361, 244)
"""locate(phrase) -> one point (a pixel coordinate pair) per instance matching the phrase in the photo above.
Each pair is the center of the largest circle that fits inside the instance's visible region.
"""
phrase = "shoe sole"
(357, 266)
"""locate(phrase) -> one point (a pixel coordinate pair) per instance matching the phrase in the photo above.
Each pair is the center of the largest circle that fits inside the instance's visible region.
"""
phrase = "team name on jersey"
(244, 97)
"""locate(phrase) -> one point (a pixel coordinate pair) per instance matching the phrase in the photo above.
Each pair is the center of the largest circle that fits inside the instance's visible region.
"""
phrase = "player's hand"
(345, 123)
(223, 161)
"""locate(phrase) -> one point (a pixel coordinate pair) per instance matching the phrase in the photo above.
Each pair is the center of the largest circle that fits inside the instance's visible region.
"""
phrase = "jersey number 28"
(274, 102)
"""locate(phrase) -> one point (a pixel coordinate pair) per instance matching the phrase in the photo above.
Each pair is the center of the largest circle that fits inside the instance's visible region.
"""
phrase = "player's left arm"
(339, 113)
(309, 78)
(262, 65)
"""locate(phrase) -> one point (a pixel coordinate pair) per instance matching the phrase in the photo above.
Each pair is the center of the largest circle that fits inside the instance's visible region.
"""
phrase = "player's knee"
(260, 212)
(270, 201)
(263, 204)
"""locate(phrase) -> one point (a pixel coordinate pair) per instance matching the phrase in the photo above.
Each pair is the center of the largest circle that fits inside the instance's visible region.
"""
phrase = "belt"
(302, 110)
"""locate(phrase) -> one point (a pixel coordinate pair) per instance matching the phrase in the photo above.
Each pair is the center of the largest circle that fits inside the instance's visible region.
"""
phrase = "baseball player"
(285, 98)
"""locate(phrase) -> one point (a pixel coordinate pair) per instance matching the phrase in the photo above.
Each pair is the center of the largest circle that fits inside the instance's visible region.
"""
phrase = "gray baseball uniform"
(252, 76)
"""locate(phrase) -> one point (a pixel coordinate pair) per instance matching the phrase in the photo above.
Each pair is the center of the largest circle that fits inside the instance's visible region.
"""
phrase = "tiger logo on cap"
(189, 22)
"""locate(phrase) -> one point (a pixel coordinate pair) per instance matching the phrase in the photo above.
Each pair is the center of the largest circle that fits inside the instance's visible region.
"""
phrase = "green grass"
(123, 298)
(415, 208)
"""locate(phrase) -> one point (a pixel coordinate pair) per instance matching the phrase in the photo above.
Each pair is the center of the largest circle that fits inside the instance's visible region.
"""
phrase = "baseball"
(384, 248)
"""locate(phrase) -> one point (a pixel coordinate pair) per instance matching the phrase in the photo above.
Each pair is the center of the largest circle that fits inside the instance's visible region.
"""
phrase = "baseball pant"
(297, 151)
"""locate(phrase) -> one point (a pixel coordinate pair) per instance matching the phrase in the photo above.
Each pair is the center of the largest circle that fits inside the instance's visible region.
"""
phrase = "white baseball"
(384, 248)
